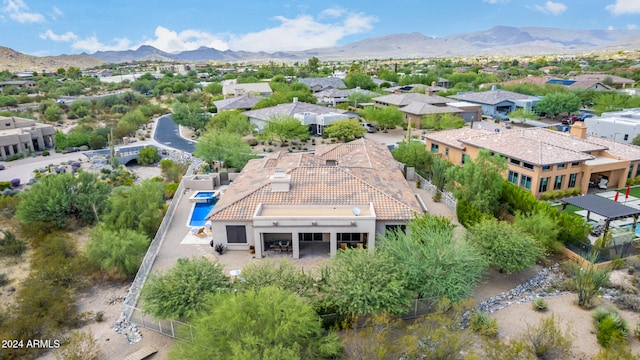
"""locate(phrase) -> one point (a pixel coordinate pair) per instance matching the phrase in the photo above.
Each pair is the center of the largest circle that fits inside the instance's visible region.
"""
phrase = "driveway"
(167, 133)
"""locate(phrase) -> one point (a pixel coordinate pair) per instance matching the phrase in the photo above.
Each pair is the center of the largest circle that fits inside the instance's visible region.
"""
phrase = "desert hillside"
(14, 61)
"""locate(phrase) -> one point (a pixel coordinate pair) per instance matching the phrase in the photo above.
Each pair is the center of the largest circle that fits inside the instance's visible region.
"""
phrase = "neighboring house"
(19, 135)
(622, 126)
(233, 89)
(316, 116)
(420, 88)
(379, 82)
(344, 195)
(589, 85)
(416, 105)
(616, 81)
(322, 84)
(336, 96)
(498, 102)
(542, 160)
(18, 84)
(632, 91)
(237, 103)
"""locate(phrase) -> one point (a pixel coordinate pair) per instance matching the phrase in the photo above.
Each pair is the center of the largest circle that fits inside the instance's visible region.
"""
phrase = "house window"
(572, 180)
(396, 228)
(525, 182)
(546, 167)
(236, 234)
(527, 166)
(446, 151)
(638, 171)
(349, 236)
(543, 184)
(557, 185)
(561, 166)
(514, 161)
(434, 148)
(626, 137)
(630, 171)
(310, 236)
(513, 177)
(574, 164)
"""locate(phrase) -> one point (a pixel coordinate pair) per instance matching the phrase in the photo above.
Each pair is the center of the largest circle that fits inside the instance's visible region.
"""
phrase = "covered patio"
(604, 209)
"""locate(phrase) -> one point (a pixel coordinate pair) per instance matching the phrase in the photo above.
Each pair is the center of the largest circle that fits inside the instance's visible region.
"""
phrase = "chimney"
(579, 130)
(280, 181)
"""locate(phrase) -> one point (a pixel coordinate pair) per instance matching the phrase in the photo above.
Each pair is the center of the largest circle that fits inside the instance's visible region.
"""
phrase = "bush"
(99, 316)
(15, 183)
(170, 190)
(547, 341)
(481, 323)
(10, 245)
(611, 328)
(4, 279)
(469, 215)
(539, 304)
(5, 185)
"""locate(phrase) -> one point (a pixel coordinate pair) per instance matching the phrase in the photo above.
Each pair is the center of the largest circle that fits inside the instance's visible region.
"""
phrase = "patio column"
(295, 242)
(333, 243)
(257, 243)
(371, 241)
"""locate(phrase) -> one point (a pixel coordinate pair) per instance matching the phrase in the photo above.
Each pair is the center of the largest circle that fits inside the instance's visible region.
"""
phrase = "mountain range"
(499, 41)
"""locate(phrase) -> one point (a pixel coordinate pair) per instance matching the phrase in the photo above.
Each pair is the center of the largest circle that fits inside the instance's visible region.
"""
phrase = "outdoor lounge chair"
(603, 183)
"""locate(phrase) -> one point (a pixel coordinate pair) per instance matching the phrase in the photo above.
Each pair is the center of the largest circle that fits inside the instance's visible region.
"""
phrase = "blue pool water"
(204, 195)
(629, 227)
(200, 212)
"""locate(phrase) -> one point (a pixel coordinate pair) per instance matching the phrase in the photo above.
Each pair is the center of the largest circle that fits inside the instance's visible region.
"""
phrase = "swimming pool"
(203, 196)
(200, 212)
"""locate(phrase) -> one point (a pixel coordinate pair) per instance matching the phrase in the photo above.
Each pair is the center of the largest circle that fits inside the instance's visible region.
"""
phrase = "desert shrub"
(79, 345)
(99, 316)
(469, 215)
(8, 205)
(611, 328)
(548, 341)
(4, 280)
(539, 304)
(588, 280)
(629, 302)
(483, 324)
(10, 245)
(5, 185)
(15, 182)
(170, 190)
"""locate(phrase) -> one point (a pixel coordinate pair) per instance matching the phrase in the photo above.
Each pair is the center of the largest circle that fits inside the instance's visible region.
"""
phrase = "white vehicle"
(369, 127)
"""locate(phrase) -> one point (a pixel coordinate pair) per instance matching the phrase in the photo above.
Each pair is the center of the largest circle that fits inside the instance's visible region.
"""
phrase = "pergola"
(604, 207)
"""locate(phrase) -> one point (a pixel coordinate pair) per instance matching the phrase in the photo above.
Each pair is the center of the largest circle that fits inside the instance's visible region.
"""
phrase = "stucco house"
(245, 102)
(316, 116)
(20, 135)
(622, 126)
(344, 195)
(416, 105)
(496, 102)
(337, 96)
(322, 84)
(233, 89)
(542, 160)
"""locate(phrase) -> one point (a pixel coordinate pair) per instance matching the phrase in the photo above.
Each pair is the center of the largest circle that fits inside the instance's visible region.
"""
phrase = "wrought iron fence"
(617, 251)
(446, 197)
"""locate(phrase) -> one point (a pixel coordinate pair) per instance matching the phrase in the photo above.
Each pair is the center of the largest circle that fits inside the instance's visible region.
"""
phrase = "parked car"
(584, 116)
(571, 119)
(501, 116)
(369, 127)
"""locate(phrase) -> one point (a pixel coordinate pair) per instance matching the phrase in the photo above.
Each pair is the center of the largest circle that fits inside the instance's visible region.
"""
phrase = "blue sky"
(53, 27)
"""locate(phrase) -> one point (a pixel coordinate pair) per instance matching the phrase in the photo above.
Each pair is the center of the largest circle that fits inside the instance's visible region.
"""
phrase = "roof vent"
(331, 162)
(280, 181)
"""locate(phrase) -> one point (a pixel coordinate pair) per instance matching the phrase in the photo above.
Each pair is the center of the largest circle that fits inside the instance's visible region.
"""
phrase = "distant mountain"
(15, 61)
(499, 40)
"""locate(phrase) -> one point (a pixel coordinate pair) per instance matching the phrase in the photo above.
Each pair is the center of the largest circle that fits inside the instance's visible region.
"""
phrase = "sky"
(54, 27)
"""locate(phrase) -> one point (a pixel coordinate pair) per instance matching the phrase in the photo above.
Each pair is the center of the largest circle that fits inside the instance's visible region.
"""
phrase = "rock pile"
(129, 330)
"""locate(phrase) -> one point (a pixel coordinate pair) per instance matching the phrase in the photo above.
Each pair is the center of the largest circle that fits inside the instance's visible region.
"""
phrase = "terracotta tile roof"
(617, 149)
(365, 173)
(290, 109)
(418, 108)
(453, 137)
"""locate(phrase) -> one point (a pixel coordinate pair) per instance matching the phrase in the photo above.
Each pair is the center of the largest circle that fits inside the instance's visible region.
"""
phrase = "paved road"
(167, 133)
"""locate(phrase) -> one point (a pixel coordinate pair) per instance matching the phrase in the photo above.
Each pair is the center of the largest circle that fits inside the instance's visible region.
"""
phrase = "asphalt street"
(167, 133)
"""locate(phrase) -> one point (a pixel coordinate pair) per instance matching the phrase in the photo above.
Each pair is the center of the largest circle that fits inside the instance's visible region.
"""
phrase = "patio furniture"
(603, 183)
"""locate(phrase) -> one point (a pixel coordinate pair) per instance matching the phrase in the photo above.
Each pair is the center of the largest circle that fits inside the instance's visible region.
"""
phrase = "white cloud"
(291, 34)
(171, 41)
(19, 11)
(621, 7)
(55, 13)
(302, 33)
(66, 37)
(494, 1)
(551, 7)
(610, 28)
(632, 27)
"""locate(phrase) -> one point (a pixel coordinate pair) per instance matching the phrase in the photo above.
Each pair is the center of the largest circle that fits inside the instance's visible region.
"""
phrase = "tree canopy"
(119, 250)
(343, 129)
(443, 121)
(223, 146)
(284, 128)
(181, 292)
(481, 181)
(559, 102)
(384, 117)
(268, 323)
(190, 115)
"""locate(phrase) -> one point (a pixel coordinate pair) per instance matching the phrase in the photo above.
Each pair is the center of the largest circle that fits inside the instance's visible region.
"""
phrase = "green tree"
(52, 113)
(181, 292)
(139, 207)
(55, 199)
(269, 323)
(223, 146)
(440, 173)
(74, 73)
(414, 154)
(283, 275)
(284, 128)
(361, 282)
(363, 81)
(313, 64)
(230, 121)
(388, 75)
(190, 115)
(120, 251)
(79, 109)
(523, 115)
(385, 118)
(437, 265)
(343, 129)
(542, 227)
(213, 89)
(356, 98)
(557, 103)
(481, 181)
(504, 245)
(443, 121)
(148, 155)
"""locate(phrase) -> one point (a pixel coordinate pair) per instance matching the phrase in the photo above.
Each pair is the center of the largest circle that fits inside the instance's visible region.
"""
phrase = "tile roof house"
(310, 114)
(234, 89)
(343, 195)
(20, 135)
(237, 103)
(416, 105)
(543, 160)
(496, 102)
(321, 84)
(336, 96)
(616, 81)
